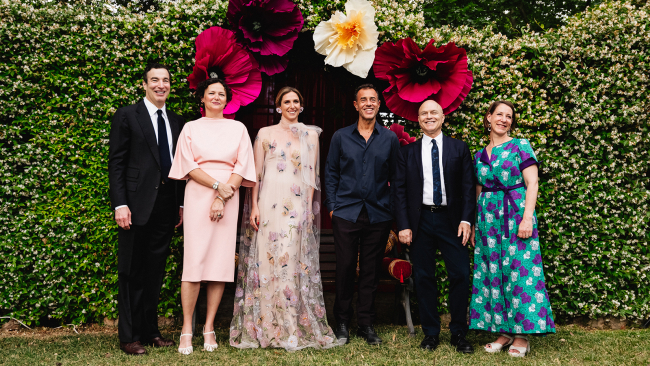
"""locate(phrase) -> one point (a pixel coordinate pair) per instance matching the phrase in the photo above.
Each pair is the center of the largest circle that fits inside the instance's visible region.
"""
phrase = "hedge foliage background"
(581, 90)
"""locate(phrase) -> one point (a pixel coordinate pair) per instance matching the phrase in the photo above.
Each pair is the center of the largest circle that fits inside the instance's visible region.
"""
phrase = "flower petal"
(361, 64)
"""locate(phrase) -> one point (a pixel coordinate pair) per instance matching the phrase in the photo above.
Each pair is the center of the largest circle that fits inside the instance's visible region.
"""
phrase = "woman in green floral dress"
(509, 292)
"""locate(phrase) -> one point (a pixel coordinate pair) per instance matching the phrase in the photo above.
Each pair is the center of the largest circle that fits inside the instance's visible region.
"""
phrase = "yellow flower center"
(349, 31)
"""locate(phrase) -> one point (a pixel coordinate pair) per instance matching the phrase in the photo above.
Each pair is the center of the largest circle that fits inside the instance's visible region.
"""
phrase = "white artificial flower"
(349, 39)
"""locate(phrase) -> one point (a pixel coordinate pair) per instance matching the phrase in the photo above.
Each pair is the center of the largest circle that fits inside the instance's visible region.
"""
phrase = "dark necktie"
(435, 168)
(163, 148)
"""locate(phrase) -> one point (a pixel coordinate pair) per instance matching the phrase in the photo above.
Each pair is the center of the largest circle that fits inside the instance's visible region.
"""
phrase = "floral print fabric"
(508, 291)
(279, 295)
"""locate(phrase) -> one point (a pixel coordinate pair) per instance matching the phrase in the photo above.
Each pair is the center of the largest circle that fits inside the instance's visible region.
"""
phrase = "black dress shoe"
(160, 342)
(367, 332)
(133, 348)
(461, 344)
(430, 343)
(342, 333)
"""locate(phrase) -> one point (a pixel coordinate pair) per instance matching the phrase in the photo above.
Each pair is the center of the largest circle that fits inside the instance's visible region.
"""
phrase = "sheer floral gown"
(279, 296)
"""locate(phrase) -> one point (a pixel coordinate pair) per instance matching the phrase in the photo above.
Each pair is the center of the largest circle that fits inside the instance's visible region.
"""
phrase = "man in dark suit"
(147, 206)
(435, 201)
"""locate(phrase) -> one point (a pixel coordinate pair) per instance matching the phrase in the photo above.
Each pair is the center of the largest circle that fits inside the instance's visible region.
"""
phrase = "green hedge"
(582, 91)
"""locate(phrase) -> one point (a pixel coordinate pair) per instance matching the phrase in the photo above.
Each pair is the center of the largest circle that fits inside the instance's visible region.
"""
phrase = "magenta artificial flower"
(404, 138)
(267, 28)
(436, 73)
(219, 55)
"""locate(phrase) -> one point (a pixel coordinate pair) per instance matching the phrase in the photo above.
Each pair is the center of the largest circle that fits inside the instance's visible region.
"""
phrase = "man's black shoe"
(342, 333)
(461, 344)
(367, 332)
(430, 343)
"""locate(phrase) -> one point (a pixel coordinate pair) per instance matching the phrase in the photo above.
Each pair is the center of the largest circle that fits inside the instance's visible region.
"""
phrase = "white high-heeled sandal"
(209, 347)
(497, 347)
(522, 350)
(186, 350)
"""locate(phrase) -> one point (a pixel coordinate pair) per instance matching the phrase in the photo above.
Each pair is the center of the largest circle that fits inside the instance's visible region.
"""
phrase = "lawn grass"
(572, 345)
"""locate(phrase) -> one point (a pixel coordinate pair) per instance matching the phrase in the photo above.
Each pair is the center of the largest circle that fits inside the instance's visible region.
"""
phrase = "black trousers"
(435, 231)
(368, 241)
(141, 259)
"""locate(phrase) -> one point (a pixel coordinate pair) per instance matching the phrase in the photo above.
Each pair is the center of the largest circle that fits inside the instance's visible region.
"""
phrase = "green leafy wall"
(582, 92)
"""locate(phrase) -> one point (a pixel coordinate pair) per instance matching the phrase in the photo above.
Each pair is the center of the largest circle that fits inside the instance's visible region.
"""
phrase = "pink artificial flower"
(415, 75)
(267, 28)
(404, 138)
(219, 55)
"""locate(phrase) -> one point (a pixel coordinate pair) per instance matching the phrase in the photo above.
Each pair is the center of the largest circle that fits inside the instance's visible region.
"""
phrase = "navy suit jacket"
(460, 187)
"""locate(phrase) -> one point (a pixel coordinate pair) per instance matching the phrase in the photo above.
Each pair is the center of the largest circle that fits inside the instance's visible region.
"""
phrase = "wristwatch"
(215, 186)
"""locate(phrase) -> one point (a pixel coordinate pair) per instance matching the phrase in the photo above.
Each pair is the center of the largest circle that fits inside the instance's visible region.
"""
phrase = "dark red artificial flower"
(437, 73)
(219, 55)
(267, 28)
(404, 138)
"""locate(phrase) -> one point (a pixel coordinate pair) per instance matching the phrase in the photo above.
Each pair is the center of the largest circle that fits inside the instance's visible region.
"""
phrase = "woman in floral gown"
(279, 296)
(509, 292)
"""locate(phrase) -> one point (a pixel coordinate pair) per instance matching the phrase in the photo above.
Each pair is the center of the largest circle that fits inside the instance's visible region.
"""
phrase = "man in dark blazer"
(148, 205)
(435, 199)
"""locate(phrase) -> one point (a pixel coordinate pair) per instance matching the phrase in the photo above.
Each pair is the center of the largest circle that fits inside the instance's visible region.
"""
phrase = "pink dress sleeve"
(245, 165)
(183, 162)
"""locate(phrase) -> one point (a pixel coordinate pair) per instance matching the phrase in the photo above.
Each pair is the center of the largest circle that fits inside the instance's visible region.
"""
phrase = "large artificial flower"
(267, 28)
(404, 137)
(219, 55)
(416, 75)
(349, 39)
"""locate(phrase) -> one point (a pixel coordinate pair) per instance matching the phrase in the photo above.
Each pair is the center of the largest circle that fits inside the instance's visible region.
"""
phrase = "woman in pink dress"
(216, 155)
(279, 296)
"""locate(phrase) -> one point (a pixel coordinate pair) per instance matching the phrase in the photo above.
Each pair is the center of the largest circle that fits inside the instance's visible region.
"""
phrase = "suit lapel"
(446, 146)
(147, 129)
(417, 150)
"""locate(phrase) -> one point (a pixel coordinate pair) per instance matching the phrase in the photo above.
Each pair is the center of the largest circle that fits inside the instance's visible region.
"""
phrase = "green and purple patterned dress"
(509, 292)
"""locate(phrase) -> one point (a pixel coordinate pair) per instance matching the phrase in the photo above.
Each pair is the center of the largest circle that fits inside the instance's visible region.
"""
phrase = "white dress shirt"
(427, 171)
(153, 114)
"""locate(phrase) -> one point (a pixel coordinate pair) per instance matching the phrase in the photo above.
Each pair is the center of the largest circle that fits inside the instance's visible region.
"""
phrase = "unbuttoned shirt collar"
(374, 131)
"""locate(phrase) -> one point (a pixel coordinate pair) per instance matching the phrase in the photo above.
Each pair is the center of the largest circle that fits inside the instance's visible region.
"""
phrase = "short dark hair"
(491, 110)
(200, 89)
(365, 86)
(155, 66)
(286, 90)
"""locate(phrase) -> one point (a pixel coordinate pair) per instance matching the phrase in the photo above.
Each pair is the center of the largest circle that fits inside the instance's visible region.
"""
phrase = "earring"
(508, 132)
(489, 128)
(278, 110)
(301, 109)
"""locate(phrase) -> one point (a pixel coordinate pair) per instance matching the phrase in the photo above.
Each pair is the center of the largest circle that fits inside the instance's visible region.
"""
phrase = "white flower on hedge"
(349, 39)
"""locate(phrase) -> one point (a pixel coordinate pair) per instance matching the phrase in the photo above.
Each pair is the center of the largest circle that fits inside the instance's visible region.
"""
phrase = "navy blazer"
(460, 187)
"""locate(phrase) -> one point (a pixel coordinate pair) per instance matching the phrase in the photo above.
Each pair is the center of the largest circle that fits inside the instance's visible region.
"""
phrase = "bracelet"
(224, 202)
